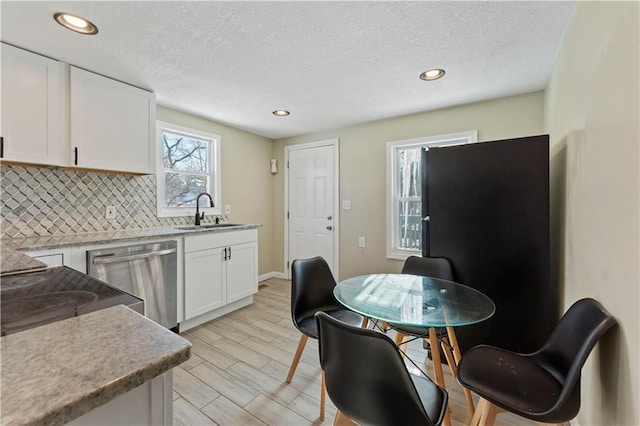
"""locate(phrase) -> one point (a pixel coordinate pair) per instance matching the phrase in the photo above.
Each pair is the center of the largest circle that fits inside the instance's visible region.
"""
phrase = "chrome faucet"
(199, 216)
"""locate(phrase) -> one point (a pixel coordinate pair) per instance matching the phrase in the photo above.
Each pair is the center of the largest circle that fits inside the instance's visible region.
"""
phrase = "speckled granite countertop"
(70, 240)
(58, 372)
(14, 262)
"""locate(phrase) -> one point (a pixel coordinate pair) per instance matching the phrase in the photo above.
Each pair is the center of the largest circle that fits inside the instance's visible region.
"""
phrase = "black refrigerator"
(486, 209)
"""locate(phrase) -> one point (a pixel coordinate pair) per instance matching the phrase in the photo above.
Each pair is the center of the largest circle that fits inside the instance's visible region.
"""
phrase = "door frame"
(335, 143)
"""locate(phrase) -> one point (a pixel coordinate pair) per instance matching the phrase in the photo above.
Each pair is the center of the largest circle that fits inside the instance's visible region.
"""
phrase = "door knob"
(329, 217)
(329, 227)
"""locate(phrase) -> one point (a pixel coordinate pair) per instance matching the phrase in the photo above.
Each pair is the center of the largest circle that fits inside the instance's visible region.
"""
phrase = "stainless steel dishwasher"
(148, 271)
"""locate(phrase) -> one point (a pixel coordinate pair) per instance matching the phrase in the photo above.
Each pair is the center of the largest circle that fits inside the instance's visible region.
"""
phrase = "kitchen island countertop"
(58, 372)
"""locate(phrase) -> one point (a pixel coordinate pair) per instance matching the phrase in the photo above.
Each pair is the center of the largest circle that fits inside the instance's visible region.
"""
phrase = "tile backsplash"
(49, 201)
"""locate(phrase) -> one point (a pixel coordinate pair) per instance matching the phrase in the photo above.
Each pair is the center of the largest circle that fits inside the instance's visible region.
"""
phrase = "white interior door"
(311, 198)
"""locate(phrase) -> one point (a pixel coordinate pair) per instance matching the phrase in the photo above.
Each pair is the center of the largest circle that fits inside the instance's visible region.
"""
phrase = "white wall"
(592, 115)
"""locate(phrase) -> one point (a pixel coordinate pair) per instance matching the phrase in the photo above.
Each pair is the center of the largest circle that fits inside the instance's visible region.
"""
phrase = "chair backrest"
(312, 286)
(568, 347)
(366, 377)
(437, 267)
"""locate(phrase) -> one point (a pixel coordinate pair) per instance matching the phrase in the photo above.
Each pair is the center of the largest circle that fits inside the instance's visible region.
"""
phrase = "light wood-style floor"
(236, 373)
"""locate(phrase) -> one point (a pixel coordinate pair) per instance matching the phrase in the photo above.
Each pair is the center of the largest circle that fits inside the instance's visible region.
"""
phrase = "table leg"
(365, 322)
(457, 356)
(437, 366)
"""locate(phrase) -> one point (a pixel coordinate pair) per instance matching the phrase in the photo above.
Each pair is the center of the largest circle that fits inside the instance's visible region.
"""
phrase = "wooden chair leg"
(475, 420)
(488, 414)
(457, 355)
(296, 357)
(323, 395)
(365, 322)
(446, 349)
(400, 340)
(437, 367)
(342, 420)
(384, 326)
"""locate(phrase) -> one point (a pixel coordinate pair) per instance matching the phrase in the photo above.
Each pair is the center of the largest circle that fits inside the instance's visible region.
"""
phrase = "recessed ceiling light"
(75, 23)
(432, 74)
(280, 112)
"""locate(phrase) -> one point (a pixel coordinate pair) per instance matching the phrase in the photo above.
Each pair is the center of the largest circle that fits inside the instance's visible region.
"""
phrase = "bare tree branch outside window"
(186, 164)
(409, 202)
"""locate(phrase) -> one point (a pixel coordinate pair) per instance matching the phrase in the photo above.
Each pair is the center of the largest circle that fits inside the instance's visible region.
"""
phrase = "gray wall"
(592, 114)
(363, 170)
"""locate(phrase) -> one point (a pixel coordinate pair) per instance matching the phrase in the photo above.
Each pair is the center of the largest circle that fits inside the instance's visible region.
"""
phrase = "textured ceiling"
(332, 64)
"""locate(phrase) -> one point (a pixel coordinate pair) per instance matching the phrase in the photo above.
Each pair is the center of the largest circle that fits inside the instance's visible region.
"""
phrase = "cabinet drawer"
(51, 260)
(219, 239)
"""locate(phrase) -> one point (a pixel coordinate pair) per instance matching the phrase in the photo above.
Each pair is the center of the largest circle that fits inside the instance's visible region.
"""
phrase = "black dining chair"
(437, 267)
(545, 385)
(368, 381)
(312, 286)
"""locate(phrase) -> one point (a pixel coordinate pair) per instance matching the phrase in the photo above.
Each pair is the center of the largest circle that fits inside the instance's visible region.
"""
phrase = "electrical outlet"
(346, 204)
(362, 242)
(227, 209)
(110, 212)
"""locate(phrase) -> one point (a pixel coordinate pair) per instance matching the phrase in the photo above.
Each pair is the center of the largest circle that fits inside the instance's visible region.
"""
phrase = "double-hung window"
(404, 190)
(188, 164)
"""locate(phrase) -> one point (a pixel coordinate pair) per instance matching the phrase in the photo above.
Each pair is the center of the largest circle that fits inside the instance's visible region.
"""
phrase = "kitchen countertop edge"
(16, 262)
(81, 239)
(153, 350)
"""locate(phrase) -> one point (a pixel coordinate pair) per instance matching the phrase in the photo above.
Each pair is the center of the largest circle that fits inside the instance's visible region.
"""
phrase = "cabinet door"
(242, 273)
(32, 98)
(52, 257)
(112, 124)
(203, 282)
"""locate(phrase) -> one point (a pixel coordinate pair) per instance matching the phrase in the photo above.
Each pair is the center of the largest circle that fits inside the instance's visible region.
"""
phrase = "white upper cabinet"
(112, 124)
(55, 114)
(33, 101)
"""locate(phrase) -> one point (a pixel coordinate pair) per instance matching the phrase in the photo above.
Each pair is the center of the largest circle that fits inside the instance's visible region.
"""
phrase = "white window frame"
(393, 147)
(215, 172)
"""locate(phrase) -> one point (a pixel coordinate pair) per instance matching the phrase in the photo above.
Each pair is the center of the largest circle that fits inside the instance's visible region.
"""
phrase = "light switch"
(227, 209)
(362, 242)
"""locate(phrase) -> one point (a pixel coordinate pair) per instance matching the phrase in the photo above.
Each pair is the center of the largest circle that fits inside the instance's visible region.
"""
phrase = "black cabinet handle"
(75, 151)
(225, 253)
(229, 253)
(1, 147)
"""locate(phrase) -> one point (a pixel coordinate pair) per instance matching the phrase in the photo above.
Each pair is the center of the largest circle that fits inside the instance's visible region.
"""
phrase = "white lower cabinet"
(204, 276)
(220, 274)
(151, 403)
(52, 257)
(242, 278)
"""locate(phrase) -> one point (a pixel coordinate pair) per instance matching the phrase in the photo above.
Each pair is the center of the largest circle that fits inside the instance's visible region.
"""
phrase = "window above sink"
(188, 164)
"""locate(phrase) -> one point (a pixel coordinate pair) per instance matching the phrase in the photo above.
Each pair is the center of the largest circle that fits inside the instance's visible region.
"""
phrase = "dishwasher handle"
(110, 258)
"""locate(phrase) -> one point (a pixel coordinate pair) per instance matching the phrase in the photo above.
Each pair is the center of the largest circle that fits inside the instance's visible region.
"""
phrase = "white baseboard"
(201, 319)
(271, 275)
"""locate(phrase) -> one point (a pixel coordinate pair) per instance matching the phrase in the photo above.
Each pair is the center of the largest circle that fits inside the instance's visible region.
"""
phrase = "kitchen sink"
(210, 226)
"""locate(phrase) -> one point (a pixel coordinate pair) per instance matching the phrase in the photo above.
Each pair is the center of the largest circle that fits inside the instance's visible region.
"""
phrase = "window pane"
(184, 153)
(409, 172)
(181, 189)
(410, 229)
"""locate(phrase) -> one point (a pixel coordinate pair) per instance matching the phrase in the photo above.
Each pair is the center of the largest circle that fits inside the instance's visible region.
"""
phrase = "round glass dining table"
(419, 301)
(414, 300)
